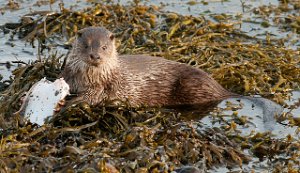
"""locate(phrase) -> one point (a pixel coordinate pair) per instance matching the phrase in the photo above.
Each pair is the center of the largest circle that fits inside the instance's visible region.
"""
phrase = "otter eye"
(104, 47)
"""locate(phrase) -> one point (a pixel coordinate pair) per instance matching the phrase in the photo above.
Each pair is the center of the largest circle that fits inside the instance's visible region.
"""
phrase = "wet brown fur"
(139, 79)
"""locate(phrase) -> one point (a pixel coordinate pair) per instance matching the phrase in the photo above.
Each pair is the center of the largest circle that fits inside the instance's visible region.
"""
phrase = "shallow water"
(255, 115)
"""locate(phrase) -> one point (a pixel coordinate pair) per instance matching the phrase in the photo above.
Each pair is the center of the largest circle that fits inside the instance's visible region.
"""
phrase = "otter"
(96, 72)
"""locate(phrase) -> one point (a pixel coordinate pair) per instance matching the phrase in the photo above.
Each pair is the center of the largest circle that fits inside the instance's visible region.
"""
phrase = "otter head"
(93, 59)
(95, 46)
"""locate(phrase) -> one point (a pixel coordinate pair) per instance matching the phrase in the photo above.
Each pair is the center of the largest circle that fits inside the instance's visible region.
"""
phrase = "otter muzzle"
(94, 56)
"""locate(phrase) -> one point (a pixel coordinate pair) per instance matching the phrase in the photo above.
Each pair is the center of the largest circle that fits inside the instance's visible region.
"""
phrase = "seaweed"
(120, 138)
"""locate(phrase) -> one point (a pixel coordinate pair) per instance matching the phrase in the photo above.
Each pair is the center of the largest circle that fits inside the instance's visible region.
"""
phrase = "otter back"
(156, 81)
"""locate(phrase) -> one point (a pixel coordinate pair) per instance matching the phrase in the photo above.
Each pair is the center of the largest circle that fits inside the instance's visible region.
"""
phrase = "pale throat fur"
(93, 78)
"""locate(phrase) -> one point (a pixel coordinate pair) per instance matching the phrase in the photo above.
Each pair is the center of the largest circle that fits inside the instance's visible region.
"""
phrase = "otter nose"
(94, 56)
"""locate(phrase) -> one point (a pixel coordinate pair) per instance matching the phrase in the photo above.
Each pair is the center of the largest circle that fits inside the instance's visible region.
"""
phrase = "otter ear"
(112, 36)
(79, 33)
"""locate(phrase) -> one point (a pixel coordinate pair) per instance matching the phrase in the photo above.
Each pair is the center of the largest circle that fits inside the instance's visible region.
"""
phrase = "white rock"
(42, 98)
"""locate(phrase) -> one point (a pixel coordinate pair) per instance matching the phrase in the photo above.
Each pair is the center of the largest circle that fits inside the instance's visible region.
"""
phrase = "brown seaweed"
(119, 138)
